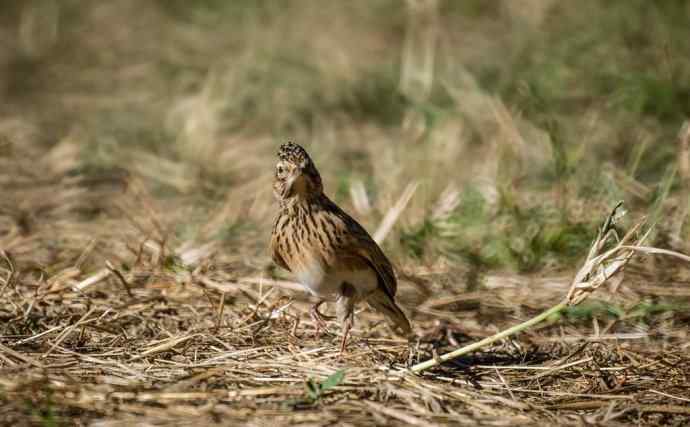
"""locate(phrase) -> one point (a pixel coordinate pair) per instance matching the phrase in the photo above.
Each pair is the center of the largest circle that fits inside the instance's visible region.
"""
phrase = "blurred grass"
(210, 87)
(644, 312)
(525, 239)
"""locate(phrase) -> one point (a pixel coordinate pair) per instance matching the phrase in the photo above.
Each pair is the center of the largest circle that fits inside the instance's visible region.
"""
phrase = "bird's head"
(295, 174)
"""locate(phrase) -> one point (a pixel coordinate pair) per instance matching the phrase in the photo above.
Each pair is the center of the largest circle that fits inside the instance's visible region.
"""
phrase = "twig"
(66, 332)
(13, 271)
(271, 282)
(40, 334)
(549, 369)
(221, 305)
(393, 213)
(597, 270)
(22, 357)
(92, 280)
(397, 414)
(663, 409)
(119, 275)
(166, 345)
(669, 395)
(486, 341)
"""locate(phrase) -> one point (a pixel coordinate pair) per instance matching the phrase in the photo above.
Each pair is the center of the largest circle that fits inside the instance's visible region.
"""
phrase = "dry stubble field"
(137, 144)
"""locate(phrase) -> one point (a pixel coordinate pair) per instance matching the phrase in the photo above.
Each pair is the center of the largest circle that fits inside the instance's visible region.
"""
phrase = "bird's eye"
(280, 170)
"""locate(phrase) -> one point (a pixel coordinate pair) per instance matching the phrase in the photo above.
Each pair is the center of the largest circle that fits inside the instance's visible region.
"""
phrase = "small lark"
(328, 251)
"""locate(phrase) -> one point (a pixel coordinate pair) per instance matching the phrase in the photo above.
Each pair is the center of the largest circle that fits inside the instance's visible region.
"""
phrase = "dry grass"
(214, 339)
(135, 169)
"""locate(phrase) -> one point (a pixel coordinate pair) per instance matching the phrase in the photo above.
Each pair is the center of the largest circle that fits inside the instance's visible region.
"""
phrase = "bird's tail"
(395, 317)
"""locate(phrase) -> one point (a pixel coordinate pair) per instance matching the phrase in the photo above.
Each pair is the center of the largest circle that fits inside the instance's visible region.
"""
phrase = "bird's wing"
(359, 243)
(372, 254)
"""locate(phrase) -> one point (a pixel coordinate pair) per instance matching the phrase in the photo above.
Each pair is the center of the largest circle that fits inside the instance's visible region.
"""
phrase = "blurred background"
(521, 122)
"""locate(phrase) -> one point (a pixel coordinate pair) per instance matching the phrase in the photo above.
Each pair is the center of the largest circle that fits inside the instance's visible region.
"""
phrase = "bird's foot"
(319, 319)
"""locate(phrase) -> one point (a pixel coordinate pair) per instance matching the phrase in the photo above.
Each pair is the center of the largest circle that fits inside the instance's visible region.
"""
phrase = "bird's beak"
(290, 183)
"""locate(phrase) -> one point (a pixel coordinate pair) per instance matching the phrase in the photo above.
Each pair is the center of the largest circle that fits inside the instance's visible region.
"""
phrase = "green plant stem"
(486, 341)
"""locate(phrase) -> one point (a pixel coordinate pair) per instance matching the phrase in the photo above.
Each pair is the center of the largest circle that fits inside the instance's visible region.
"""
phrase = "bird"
(328, 251)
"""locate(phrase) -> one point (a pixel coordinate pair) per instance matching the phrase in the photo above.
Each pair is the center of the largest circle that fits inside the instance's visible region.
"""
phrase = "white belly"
(328, 285)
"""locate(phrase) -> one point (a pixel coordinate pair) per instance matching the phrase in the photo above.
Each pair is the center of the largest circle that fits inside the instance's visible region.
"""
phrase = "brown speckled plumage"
(326, 249)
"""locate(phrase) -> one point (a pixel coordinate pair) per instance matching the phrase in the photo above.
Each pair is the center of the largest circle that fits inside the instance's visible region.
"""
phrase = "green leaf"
(313, 389)
(333, 380)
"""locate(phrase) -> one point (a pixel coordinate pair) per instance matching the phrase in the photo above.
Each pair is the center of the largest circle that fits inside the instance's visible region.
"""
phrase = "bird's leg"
(346, 311)
(346, 332)
(319, 318)
(293, 332)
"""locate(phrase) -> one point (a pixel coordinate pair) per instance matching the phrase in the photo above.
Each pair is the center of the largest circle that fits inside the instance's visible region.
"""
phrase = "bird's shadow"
(498, 358)
(470, 367)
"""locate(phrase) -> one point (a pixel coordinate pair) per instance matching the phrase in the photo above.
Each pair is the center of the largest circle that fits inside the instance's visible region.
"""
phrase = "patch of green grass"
(653, 95)
(523, 239)
(236, 230)
(615, 42)
(174, 264)
(416, 239)
(469, 8)
(218, 12)
(355, 164)
(660, 196)
(43, 412)
(110, 135)
(342, 190)
(316, 390)
(373, 97)
(644, 310)
(285, 91)
(298, 92)
(625, 62)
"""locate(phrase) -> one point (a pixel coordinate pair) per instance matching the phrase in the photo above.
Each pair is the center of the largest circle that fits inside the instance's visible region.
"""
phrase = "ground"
(137, 145)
